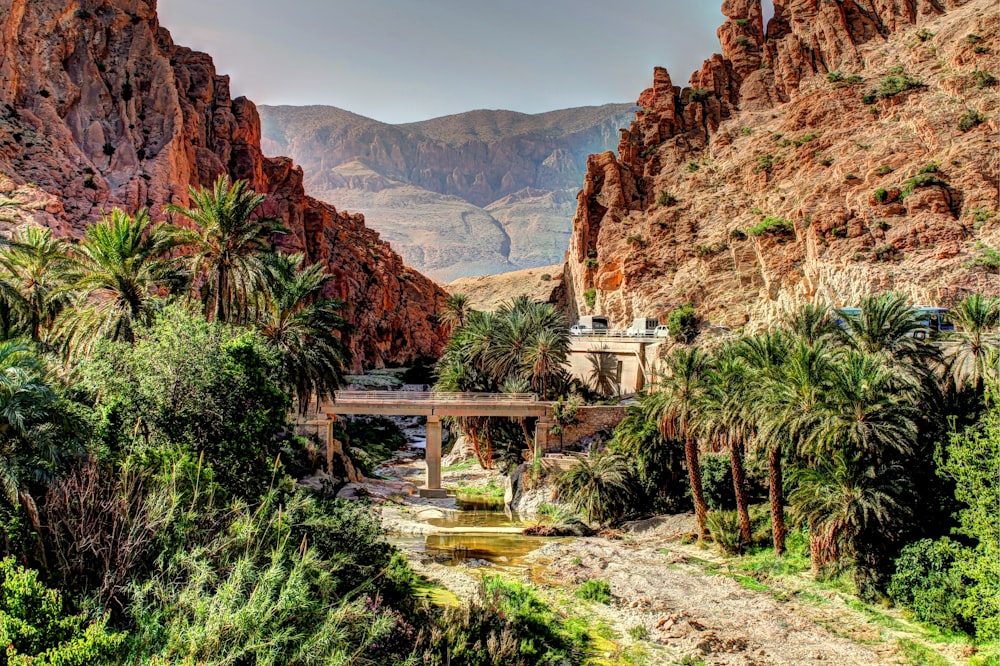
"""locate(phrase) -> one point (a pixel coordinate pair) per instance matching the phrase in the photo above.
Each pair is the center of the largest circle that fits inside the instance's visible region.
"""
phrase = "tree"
(673, 406)
(722, 422)
(888, 326)
(118, 272)
(601, 486)
(765, 355)
(227, 246)
(294, 319)
(456, 310)
(810, 322)
(971, 351)
(546, 354)
(33, 263)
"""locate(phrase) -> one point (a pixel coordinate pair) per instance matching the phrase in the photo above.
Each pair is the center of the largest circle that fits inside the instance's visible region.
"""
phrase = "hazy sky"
(407, 60)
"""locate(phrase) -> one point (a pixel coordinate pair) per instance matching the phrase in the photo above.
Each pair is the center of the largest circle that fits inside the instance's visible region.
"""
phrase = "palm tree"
(601, 486)
(673, 406)
(841, 498)
(295, 320)
(886, 325)
(118, 272)
(228, 246)
(868, 409)
(721, 421)
(811, 322)
(968, 351)
(32, 264)
(764, 354)
(545, 357)
(456, 310)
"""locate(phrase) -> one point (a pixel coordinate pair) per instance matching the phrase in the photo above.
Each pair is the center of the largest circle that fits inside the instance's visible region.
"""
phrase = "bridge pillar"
(433, 487)
(543, 427)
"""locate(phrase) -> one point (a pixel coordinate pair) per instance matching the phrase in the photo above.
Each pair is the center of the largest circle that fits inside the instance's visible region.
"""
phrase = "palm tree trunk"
(740, 488)
(697, 492)
(777, 497)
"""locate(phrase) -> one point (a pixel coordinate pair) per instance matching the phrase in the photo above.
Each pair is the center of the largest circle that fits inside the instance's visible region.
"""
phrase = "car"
(662, 331)
(577, 329)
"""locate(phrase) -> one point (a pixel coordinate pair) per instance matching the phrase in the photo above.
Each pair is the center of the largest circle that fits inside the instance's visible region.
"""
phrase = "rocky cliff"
(467, 194)
(849, 147)
(102, 109)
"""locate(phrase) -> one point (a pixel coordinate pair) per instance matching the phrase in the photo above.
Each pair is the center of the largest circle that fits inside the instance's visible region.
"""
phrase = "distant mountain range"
(463, 195)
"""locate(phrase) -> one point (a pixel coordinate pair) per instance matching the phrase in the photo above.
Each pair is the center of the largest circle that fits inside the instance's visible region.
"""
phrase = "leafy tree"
(118, 272)
(227, 246)
(37, 629)
(456, 310)
(198, 385)
(658, 462)
(296, 321)
(673, 406)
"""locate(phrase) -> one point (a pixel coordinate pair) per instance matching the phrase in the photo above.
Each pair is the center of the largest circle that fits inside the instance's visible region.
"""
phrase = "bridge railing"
(429, 396)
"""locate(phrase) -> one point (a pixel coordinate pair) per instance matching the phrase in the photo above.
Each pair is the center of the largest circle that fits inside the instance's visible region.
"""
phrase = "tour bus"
(934, 318)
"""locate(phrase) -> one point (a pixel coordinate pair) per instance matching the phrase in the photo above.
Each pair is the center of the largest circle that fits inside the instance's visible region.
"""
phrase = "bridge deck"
(433, 403)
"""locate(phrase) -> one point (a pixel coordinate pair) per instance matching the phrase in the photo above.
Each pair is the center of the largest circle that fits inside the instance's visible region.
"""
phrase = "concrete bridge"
(435, 405)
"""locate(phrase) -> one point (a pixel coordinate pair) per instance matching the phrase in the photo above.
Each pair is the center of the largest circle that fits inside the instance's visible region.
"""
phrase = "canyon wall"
(847, 148)
(100, 109)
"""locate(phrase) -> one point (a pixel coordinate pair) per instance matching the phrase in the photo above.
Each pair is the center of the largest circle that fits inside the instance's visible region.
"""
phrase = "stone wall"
(590, 420)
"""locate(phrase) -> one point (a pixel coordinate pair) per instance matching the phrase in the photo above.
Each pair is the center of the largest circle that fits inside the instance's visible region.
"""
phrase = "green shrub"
(590, 297)
(869, 97)
(924, 34)
(854, 79)
(682, 323)
(772, 226)
(699, 94)
(918, 181)
(826, 161)
(988, 258)
(980, 49)
(881, 195)
(724, 528)
(883, 170)
(35, 628)
(717, 481)
(893, 85)
(666, 199)
(693, 166)
(744, 41)
(594, 589)
(764, 163)
(931, 167)
(638, 632)
(983, 79)
(927, 582)
(635, 239)
(972, 38)
(741, 22)
(545, 277)
(709, 250)
(746, 131)
(834, 77)
(887, 252)
(970, 120)
(804, 139)
(590, 262)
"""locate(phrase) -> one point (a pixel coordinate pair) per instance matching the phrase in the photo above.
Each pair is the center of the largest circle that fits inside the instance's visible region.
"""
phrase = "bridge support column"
(433, 487)
(543, 427)
(329, 444)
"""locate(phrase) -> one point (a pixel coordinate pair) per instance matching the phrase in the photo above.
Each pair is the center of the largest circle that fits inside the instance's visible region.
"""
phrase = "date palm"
(295, 319)
(811, 322)
(673, 407)
(118, 273)
(456, 310)
(30, 268)
(602, 486)
(971, 350)
(887, 325)
(227, 247)
(722, 422)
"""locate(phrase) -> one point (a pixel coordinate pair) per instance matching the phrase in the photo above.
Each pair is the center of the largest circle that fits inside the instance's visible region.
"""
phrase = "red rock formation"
(763, 132)
(102, 109)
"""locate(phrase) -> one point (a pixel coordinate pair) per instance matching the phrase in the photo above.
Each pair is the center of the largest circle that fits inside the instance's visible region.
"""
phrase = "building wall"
(591, 419)
(634, 356)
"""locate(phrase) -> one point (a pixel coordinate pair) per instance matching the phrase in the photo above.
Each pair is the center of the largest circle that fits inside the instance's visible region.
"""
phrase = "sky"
(407, 60)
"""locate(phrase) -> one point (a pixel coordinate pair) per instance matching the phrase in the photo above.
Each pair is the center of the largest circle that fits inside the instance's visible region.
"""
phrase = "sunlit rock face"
(102, 109)
(775, 177)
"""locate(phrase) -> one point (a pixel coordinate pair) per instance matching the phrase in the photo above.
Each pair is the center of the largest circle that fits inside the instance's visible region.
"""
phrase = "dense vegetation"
(148, 374)
(880, 440)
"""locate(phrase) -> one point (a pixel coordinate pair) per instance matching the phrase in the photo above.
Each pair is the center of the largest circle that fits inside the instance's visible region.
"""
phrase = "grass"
(491, 491)
(594, 589)
(463, 466)
(918, 655)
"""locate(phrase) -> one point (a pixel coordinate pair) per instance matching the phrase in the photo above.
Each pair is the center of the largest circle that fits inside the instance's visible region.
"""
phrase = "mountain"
(462, 195)
(849, 148)
(100, 108)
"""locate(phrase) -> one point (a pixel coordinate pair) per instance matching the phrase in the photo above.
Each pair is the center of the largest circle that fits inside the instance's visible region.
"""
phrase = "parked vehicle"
(577, 329)
(642, 327)
(661, 331)
(596, 323)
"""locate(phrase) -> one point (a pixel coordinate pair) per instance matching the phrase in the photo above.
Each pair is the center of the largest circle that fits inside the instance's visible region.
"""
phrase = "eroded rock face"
(767, 182)
(102, 109)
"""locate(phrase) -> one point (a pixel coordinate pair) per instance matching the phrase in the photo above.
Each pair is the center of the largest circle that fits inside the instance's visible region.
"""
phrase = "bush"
(683, 323)
(893, 85)
(507, 625)
(546, 277)
(918, 181)
(717, 481)
(881, 195)
(693, 166)
(594, 589)
(927, 582)
(590, 297)
(765, 163)
(983, 79)
(883, 170)
(666, 199)
(924, 34)
(36, 629)
(699, 94)
(772, 226)
(970, 120)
